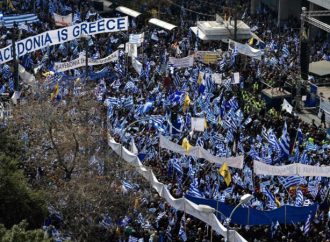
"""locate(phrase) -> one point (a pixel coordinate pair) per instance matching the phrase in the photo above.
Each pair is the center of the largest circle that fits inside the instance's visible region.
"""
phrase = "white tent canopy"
(162, 24)
(128, 11)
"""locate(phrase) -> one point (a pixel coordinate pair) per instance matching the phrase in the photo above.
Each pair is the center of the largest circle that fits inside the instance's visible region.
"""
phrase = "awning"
(162, 24)
(199, 33)
(320, 68)
(128, 11)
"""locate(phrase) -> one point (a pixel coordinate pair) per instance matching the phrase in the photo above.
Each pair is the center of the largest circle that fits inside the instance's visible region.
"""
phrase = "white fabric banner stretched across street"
(197, 151)
(296, 169)
(81, 61)
(62, 35)
(181, 204)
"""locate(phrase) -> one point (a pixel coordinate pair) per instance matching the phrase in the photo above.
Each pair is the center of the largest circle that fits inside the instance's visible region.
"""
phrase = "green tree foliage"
(17, 200)
(18, 233)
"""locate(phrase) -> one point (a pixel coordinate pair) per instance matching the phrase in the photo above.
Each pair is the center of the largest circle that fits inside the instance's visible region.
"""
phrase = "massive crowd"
(238, 121)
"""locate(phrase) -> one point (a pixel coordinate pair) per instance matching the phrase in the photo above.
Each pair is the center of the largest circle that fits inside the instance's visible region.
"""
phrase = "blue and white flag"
(285, 141)
(19, 19)
(289, 181)
(194, 190)
(307, 226)
(182, 231)
(299, 198)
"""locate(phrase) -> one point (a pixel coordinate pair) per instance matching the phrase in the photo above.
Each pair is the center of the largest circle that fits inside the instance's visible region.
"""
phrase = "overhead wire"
(189, 10)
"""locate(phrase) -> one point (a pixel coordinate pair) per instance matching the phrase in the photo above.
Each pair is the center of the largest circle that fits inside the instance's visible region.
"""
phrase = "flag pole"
(286, 190)
(294, 143)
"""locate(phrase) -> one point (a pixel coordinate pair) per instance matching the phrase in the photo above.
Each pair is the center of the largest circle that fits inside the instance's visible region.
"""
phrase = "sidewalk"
(307, 117)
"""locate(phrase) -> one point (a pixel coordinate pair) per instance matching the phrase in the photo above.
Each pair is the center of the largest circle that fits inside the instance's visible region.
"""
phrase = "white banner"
(203, 213)
(296, 169)
(198, 124)
(131, 49)
(287, 106)
(26, 76)
(182, 62)
(245, 49)
(207, 57)
(217, 78)
(62, 35)
(136, 38)
(63, 21)
(137, 65)
(81, 61)
(235, 162)
(236, 78)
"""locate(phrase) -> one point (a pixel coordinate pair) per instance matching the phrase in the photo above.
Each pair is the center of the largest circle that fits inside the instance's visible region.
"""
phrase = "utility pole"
(86, 60)
(235, 26)
(15, 57)
(302, 37)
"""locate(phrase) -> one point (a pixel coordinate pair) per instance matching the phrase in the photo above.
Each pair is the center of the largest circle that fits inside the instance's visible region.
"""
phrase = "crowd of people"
(237, 119)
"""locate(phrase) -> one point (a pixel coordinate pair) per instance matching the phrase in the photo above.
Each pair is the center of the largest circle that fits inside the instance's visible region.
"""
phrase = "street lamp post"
(244, 200)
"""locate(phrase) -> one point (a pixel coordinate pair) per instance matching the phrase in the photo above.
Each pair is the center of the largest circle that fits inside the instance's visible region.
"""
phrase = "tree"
(62, 137)
(17, 200)
(69, 160)
(19, 233)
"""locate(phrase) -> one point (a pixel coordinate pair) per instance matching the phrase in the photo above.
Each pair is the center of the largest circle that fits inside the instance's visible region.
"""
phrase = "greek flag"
(27, 61)
(300, 136)
(227, 85)
(313, 188)
(273, 140)
(194, 190)
(299, 198)
(285, 141)
(182, 232)
(211, 117)
(285, 51)
(128, 185)
(304, 159)
(264, 134)
(160, 216)
(229, 123)
(111, 101)
(130, 86)
(11, 84)
(222, 64)
(289, 181)
(233, 103)
(128, 102)
(106, 221)
(254, 154)
(132, 239)
(176, 98)
(233, 56)
(168, 234)
(177, 166)
(6, 72)
(76, 17)
(307, 225)
(9, 20)
(229, 136)
(311, 146)
(191, 172)
(177, 79)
